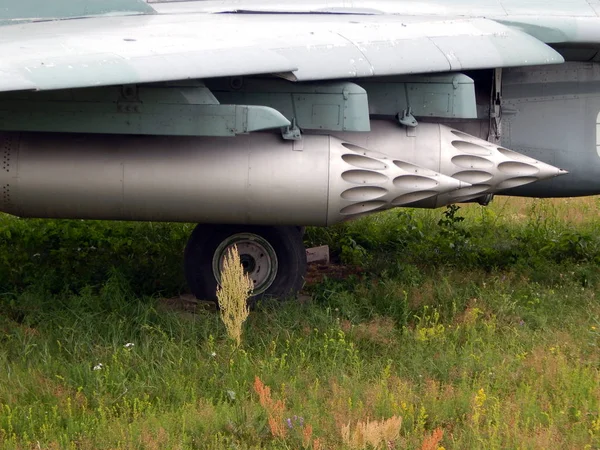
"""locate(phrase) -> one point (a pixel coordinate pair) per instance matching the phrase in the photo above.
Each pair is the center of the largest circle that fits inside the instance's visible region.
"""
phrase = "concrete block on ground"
(318, 254)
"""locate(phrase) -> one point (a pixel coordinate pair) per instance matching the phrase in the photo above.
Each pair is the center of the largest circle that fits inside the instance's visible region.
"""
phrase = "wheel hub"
(257, 256)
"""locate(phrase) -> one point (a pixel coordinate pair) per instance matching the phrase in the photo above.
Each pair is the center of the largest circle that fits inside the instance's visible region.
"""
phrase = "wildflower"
(231, 395)
(593, 328)
(213, 354)
(98, 366)
(274, 408)
(129, 345)
(307, 434)
(289, 423)
(432, 442)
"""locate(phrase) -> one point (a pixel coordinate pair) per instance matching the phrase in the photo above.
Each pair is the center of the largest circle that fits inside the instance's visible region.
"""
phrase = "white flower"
(129, 345)
(213, 354)
(98, 366)
(231, 395)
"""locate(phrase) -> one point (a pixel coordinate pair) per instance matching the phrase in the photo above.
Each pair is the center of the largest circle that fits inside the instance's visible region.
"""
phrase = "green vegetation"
(474, 333)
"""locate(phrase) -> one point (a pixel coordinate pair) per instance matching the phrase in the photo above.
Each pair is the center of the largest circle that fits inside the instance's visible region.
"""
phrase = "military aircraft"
(255, 118)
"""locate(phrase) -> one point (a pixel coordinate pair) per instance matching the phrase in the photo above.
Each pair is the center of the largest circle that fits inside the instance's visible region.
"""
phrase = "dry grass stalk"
(307, 433)
(377, 434)
(154, 440)
(432, 442)
(274, 408)
(233, 295)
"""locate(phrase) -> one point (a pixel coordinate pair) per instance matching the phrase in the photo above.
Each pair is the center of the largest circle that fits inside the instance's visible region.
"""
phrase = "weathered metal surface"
(557, 21)
(363, 181)
(136, 49)
(487, 168)
(448, 96)
(166, 110)
(552, 114)
(250, 179)
(340, 106)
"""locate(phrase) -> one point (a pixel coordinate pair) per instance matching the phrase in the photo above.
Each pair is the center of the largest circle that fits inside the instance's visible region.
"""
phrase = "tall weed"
(233, 293)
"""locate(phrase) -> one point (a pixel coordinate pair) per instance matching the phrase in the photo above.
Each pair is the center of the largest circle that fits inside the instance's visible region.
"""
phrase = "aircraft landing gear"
(273, 257)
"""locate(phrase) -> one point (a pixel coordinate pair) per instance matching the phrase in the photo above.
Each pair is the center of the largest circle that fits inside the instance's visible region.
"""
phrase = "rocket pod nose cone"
(362, 181)
(488, 167)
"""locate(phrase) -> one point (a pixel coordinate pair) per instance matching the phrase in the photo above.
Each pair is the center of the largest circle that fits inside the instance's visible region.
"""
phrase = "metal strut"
(495, 132)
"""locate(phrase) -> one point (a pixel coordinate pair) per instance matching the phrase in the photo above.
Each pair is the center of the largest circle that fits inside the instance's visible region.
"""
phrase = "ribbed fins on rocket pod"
(487, 167)
(363, 181)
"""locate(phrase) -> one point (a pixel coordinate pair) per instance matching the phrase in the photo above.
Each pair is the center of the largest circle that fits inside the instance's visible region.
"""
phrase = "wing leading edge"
(101, 51)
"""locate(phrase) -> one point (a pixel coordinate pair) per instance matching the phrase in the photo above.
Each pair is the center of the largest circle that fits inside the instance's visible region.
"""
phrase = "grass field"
(456, 329)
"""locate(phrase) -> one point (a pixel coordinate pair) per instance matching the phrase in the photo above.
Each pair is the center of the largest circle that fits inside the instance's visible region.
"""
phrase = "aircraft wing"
(101, 51)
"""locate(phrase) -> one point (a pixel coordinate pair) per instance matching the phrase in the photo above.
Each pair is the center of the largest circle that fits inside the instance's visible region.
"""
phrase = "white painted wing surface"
(468, 8)
(139, 49)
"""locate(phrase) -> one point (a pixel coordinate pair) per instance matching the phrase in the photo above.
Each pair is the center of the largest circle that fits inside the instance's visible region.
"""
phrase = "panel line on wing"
(361, 52)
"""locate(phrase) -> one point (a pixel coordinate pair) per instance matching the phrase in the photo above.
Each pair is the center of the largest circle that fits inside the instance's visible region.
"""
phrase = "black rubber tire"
(286, 241)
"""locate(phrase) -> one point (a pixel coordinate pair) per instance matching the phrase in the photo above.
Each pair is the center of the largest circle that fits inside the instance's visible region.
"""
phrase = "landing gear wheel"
(273, 257)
